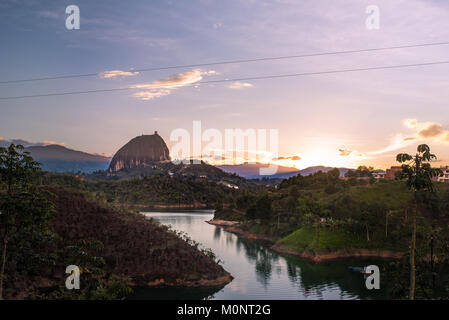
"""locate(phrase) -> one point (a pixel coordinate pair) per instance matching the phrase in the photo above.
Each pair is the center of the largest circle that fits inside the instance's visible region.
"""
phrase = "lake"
(258, 272)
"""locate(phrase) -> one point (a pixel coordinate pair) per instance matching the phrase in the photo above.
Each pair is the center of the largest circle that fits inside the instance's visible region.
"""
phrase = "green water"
(260, 273)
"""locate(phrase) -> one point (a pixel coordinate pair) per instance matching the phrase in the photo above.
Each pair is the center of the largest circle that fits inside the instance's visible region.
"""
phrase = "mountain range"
(58, 158)
(252, 170)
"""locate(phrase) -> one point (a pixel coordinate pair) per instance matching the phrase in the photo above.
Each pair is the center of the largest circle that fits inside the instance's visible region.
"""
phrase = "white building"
(379, 174)
(445, 176)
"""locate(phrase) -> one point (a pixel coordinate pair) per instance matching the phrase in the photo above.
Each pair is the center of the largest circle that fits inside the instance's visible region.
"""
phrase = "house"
(391, 173)
(444, 177)
(229, 185)
(379, 174)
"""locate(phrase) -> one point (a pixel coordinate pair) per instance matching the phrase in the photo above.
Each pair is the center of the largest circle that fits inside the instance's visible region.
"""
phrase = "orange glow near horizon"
(319, 156)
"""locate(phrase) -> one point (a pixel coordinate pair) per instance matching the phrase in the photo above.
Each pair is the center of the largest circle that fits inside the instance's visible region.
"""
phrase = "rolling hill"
(251, 170)
(56, 158)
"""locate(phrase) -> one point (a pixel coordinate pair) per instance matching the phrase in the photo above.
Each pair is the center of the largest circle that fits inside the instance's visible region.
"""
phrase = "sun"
(324, 157)
(320, 156)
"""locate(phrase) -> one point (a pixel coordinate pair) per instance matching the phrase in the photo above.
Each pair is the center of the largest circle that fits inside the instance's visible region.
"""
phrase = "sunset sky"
(340, 119)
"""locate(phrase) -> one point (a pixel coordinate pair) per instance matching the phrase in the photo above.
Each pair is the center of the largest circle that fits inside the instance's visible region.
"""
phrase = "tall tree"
(24, 210)
(417, 171)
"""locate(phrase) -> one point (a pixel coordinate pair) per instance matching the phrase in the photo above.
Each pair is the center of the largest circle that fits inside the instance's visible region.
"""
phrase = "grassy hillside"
(322, 213)
(313, 239)
(321, 240)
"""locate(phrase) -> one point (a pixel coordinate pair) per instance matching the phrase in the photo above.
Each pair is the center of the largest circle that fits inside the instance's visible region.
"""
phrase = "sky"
(340, 119)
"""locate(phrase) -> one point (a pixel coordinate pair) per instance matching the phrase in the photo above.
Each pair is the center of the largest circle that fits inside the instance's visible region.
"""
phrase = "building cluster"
(390, 174)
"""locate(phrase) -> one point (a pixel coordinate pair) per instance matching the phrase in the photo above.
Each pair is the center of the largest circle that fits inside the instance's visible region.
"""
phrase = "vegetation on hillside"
(322, 214)
(157, 184)
(46, 229)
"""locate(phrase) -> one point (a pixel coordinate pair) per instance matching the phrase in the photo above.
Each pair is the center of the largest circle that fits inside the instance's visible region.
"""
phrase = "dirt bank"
(340, 254)
(232, 226)
(220, 281)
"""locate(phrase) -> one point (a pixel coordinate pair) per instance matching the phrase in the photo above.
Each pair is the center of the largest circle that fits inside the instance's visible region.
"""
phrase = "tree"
(371, 215)
(418, 172)
(361, 171)
(261, 209)
(24, 210)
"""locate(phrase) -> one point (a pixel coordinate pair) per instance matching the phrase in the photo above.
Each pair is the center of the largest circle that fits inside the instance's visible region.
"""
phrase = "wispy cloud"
(150, 95)
(103, 154)
(344, 152)
(50, 142)
(427, 130)
(112, 74)
(240, 85)
(164, 87)
(293, 158)
(351, 154)
(423, 131)
(5, 143)
(175, 81)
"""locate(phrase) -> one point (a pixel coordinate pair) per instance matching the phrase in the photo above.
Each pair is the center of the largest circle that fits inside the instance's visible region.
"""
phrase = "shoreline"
(339, 254)
(220, 281)
(167, 206)
(232, 226)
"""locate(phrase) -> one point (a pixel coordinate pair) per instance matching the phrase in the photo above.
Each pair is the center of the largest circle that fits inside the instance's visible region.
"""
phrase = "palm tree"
(418, 172)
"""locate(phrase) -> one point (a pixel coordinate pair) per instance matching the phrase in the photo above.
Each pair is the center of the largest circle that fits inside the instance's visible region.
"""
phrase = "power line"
(239, 79)
(231, 62)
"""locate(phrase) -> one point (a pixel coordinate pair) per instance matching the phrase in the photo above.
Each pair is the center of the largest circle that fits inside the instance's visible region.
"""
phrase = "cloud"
(397, 142)
(50, 142)
(103, 154)
(176, 81)
(344, 152)
(431, 131)
(149, 95)
(159, 88)
(424, 131)
(427, 131)
(112, 74)
(6, 143)
(240, 85)
(294, 158)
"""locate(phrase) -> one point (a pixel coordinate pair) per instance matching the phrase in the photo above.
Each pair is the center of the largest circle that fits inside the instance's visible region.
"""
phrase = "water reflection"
(260, 273)
(217, 233)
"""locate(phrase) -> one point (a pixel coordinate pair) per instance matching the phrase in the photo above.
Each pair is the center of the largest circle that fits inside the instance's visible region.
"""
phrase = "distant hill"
(56, 158)
(251, 171)
(312, 170)
(187, 172)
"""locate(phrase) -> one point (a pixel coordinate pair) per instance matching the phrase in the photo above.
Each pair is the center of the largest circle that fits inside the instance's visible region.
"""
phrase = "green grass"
(308, 239)
(394, 194)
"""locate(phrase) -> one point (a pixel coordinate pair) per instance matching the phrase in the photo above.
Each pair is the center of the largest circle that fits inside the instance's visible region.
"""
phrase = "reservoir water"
(258, 272)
